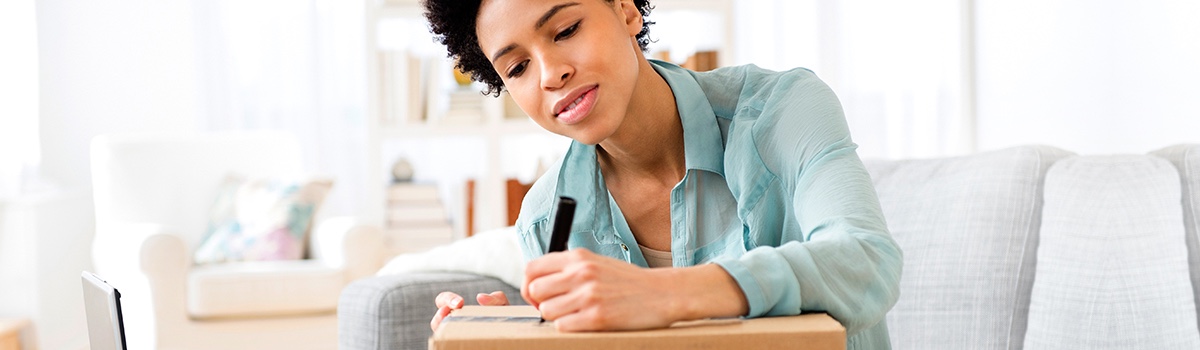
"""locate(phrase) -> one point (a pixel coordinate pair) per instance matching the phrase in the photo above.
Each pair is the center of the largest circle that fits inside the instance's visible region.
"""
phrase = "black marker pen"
(563, 217)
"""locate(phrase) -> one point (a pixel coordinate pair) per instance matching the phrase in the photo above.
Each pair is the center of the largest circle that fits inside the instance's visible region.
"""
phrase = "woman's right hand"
(447, 301)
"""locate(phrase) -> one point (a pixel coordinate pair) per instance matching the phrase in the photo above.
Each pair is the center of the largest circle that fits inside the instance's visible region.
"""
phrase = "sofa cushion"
(263, 288)
(1186, 159)
(261, 219)
(968, 229)
(1112, 266)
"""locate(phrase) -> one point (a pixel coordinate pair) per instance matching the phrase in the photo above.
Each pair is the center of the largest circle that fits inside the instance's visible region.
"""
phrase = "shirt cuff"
(749, 284)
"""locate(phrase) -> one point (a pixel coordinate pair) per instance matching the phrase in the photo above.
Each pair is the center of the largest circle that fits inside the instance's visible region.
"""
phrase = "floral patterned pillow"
(261, 219)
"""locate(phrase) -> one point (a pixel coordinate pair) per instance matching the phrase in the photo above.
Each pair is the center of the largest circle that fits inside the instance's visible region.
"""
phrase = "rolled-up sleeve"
(841, 259)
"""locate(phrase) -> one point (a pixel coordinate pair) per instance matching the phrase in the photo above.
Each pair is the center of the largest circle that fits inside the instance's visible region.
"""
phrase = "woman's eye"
(567, 33)
(517, 70)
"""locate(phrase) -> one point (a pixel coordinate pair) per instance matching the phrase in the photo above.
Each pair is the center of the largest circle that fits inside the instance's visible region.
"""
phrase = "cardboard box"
(517, 328)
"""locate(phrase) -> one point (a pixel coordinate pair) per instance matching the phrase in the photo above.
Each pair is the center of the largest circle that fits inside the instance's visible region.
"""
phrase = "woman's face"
(570, 64)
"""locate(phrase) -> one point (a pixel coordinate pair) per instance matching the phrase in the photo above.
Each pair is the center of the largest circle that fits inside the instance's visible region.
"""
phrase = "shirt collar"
(704, 148)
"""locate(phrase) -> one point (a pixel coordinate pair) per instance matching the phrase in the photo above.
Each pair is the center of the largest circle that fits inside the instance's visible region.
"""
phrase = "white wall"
(1091, 77)
(111, 66)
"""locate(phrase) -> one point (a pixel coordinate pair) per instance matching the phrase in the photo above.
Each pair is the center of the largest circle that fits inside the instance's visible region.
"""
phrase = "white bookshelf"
(493, 126)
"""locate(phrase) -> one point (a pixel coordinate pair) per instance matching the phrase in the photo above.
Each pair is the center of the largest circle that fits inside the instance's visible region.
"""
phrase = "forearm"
(705, 291)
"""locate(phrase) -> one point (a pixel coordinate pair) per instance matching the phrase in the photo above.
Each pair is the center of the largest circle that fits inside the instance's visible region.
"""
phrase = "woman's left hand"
(582, 291)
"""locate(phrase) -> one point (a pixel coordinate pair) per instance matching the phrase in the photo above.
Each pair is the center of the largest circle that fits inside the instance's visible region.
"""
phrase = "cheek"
(527, 100)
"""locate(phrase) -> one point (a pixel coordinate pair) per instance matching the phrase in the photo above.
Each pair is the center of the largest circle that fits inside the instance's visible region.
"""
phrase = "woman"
(745, 180)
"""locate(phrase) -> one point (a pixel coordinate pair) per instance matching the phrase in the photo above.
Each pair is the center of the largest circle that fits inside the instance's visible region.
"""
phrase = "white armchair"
(152, 198)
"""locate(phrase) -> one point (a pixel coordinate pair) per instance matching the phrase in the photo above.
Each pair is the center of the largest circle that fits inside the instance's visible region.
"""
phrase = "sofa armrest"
(343, 242)
(393, 311)
(149, 264)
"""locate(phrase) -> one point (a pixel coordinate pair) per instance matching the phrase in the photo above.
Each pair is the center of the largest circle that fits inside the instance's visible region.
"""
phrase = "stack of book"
(465, 108)
(416, 218)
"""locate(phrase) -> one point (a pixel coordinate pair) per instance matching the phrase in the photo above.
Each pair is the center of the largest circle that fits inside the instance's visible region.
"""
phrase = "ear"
(632, 17)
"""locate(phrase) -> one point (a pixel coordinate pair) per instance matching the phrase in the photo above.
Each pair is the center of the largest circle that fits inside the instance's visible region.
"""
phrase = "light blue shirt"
(774, 192)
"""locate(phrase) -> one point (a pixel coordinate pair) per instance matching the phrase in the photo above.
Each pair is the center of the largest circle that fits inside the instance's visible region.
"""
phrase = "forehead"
(501, 13)
(503, 22)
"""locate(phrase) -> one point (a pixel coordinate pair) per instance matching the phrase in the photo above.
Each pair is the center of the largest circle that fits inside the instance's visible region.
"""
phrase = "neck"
(649, 141)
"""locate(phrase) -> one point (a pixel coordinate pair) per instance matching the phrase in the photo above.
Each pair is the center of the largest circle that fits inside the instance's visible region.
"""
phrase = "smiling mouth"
(579, 108)
(572, 105)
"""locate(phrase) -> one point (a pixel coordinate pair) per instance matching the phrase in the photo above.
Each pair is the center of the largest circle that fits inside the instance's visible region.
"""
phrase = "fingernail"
(455, 301)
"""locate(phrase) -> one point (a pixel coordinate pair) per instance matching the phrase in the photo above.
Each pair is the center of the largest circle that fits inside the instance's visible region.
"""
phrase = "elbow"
(891, 267)
(883, 293)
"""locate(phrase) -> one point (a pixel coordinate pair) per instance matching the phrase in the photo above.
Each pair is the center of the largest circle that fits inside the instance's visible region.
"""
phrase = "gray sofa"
(1030, 247)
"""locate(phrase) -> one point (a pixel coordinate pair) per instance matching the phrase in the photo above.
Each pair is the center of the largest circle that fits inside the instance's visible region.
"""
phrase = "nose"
(555, 72)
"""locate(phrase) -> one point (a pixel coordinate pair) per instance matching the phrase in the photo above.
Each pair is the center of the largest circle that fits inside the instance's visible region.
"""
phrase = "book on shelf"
(416, 219)
(403, 88)
(413, 192)
(464, 106)
(417, 215)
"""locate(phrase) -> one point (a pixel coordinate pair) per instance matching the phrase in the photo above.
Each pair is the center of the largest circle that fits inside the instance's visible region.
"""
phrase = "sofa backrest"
(172, 179)
(968, 227)
(1186, 159)
(1112, 270)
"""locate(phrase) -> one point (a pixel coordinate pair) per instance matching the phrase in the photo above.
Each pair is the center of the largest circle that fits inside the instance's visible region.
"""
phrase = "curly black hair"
(453, 25)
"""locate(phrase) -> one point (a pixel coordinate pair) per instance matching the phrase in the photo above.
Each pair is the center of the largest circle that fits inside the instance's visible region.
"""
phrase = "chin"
(591, 135)
(587, 138)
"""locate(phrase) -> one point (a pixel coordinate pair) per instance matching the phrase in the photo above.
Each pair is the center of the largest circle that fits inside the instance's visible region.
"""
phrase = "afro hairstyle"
(453, 25)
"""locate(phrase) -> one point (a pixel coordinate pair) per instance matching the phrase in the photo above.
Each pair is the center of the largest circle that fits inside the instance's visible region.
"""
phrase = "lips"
(573, 108)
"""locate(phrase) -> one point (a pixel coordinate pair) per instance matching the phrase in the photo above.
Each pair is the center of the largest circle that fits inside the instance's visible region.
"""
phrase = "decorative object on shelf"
(402, 171)
(461, 78)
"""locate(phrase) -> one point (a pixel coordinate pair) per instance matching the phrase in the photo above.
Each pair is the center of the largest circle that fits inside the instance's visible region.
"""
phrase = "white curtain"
(898, 67)
(19, 150)
(295, 66)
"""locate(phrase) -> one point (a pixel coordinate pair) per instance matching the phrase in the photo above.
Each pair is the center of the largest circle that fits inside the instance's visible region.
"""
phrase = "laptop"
(106, 327)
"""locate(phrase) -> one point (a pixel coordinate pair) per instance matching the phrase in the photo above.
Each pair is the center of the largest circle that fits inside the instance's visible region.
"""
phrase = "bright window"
(18, 96)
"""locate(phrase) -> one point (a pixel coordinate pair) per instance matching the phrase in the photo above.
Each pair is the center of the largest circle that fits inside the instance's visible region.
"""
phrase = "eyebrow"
(540, 22)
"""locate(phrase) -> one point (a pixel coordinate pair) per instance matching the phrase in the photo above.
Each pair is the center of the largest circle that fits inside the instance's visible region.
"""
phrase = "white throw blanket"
(495, 253)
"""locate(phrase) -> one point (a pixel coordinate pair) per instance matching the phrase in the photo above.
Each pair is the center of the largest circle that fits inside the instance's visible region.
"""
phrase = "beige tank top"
(656, 258)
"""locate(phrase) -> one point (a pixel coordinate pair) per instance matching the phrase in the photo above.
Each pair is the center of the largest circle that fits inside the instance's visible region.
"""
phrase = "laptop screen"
(102, 302)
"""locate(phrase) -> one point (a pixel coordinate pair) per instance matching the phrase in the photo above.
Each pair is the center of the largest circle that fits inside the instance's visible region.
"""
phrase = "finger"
(496, 298)
(500, 297)
(441, 314)
(550, 286)
(525, 294)
(554, 262)
(566, 304)
(582, 321)
(448, 299)
(573, 275)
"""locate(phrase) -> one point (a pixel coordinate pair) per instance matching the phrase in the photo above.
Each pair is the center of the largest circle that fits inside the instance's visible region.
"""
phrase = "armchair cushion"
(261, 219)
(263, 288)
(393, 311)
